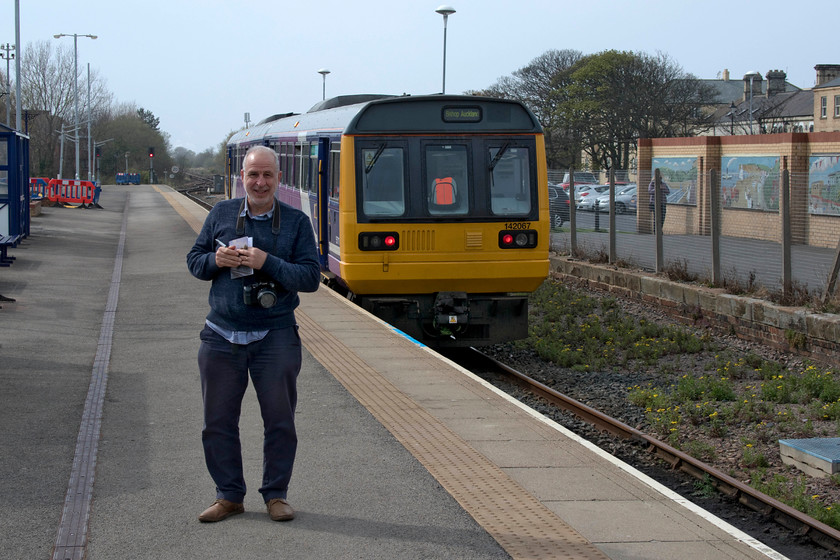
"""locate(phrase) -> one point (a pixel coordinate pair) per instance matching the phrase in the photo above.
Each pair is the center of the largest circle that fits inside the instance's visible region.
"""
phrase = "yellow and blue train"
(431, 212)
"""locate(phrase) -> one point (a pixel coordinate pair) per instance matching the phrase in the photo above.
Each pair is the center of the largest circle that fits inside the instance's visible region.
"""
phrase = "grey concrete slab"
(357, 490)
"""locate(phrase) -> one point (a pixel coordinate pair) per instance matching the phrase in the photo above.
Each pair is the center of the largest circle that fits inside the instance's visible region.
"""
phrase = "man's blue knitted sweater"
(292, 263)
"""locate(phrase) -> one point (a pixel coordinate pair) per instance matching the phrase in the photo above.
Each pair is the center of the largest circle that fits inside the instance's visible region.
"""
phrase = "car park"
(558, 205)
(581, 178)
(586, 194)
(625, 200)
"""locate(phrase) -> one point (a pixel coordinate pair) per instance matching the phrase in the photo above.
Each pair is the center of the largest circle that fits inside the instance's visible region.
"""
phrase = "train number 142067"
(518, 225)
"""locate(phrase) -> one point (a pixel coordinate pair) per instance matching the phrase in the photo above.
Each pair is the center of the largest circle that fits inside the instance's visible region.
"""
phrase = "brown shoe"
(221, 509)
(280, 510)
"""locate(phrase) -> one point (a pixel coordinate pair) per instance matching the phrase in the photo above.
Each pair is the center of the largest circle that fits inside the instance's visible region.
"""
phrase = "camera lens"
(267, 297)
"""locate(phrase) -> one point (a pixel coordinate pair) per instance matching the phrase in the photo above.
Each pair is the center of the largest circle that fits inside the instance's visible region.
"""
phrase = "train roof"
(370, 113)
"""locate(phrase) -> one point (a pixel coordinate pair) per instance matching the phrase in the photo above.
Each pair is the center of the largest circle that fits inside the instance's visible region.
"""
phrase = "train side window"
(383, 181)
(312, 168)
(335, 172)
(447, 179)
(510, 180)
(298, 167)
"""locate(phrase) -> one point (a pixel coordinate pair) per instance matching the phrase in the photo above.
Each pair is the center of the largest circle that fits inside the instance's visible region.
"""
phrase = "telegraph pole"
(8, 57)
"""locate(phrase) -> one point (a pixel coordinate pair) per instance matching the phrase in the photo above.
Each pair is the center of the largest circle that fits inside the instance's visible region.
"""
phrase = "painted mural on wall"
(680, 173)
(750, 182)
(824, 184)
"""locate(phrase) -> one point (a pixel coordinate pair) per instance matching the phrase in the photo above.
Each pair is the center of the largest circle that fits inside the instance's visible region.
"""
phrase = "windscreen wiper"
(375, 158)
(499, 155)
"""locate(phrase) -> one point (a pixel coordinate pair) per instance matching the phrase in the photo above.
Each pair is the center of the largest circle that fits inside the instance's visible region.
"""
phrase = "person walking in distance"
(664, 191)
(258, 253)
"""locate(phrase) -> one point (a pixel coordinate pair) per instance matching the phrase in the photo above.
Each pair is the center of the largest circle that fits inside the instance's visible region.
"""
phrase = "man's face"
(260, 176)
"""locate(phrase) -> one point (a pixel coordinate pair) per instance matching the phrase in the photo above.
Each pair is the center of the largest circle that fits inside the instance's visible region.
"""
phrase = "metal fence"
(752, 229)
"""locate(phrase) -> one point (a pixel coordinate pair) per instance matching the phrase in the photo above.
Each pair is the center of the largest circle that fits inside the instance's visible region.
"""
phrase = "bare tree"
(536, 86)
(47, 90)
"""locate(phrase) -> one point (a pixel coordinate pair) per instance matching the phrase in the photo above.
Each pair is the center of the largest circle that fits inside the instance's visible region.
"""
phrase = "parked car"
(581, 178)
(625, 200)
(584, 194)
(558, 205)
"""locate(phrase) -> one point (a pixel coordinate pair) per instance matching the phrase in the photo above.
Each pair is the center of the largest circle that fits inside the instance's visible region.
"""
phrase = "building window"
(836, 106)
(823, 107)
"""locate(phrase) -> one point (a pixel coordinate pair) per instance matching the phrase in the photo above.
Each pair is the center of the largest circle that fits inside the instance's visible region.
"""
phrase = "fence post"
(657, 221)
(787, 284)
(832, 277)
(572, 216)
(612, 217)
(715, 211)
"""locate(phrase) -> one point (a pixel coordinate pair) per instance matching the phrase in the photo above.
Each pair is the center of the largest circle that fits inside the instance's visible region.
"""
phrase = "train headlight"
(379, 241)
(521, 239)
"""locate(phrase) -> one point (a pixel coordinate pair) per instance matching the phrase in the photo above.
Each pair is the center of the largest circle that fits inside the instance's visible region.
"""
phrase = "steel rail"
(800, 523)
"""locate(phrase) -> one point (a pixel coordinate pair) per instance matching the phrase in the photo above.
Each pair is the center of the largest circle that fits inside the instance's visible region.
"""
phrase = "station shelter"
(14, 186)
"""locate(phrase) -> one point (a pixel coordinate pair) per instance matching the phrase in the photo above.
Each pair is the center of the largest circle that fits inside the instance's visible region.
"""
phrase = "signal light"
(379, 241)
(151, 152)
(519, 239)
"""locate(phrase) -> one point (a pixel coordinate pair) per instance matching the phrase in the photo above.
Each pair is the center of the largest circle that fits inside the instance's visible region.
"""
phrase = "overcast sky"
(200, 65)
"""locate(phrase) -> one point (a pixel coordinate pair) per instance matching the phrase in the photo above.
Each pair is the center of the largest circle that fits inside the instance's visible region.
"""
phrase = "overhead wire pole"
(75, 84)
(8, 56)
(18, 114)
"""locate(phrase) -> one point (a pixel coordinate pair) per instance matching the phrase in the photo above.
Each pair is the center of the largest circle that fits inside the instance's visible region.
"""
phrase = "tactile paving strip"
(522, 525)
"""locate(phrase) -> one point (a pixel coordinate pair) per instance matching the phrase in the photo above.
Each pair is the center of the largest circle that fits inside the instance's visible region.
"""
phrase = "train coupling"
(451, 311)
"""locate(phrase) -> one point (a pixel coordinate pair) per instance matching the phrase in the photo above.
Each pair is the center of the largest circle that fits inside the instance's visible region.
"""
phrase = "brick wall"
(793, 151)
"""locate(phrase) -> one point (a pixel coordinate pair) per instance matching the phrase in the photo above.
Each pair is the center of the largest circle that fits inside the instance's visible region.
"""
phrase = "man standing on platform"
(258, 253)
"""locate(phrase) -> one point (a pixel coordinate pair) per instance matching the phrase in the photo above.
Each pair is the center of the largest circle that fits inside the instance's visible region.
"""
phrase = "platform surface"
(402, 454)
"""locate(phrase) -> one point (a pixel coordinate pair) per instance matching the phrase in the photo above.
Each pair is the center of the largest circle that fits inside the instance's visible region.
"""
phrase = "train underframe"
(452, 319)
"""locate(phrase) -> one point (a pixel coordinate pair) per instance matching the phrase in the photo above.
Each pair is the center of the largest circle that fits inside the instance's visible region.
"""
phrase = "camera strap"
(275, 218)
(275, 222)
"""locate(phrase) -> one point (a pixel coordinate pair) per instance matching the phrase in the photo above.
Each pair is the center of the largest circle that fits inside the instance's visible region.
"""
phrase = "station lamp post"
(445, 11)
(324, 72)
(732, 108)
(75, 84)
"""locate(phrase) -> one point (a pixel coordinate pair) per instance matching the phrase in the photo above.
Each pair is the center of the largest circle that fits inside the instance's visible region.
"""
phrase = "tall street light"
(75, 84)
(445, 11)
(324, 72)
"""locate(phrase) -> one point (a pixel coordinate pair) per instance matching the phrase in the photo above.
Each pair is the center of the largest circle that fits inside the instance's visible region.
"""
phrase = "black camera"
(263, 294)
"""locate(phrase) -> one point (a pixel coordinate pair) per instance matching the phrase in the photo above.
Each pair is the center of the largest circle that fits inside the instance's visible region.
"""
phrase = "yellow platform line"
(520, 523)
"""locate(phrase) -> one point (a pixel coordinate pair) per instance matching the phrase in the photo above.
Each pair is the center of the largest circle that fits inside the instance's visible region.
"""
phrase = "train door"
(322, 206)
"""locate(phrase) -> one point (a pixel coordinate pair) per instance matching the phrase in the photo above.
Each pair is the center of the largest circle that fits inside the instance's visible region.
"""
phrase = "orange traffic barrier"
(39, 186)
(72, 191)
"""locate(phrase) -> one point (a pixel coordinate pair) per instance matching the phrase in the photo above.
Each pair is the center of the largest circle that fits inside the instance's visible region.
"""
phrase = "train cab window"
(510, 180)
(446, 180)
(383, 181)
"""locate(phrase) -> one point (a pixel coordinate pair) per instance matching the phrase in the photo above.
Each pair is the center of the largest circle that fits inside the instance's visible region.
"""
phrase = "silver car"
(586, 194)
(625, 200)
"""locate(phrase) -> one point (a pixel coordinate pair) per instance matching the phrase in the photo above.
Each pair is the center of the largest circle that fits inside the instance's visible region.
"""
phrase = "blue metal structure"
(14, 186)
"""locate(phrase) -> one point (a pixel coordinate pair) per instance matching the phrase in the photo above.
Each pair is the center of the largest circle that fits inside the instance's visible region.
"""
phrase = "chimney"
(826, 72)
(756, 84)
(775, 82)
(726, 74)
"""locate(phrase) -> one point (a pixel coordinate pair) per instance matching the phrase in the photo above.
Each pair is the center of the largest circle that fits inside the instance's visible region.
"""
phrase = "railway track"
(771, 509)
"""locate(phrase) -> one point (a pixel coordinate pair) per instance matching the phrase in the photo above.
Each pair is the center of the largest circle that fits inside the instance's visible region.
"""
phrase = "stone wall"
(793, 329)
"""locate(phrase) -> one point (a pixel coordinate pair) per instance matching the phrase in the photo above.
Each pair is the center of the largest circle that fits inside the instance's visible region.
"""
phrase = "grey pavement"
(744, 260)
(358, 492)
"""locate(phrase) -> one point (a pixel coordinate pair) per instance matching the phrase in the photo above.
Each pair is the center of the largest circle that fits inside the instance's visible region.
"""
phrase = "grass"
(727, 392)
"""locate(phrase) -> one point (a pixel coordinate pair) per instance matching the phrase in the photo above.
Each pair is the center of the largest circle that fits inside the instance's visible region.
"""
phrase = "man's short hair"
(266, 149)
